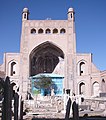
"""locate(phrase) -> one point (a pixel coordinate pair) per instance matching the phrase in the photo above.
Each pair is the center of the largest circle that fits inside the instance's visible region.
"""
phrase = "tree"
(43, 82)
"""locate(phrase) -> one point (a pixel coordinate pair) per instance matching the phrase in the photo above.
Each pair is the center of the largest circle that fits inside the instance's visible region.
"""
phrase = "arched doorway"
(13, 69)
(44, 58)
(82, 88)
(103, 86)
(95, 89)
(82, 68)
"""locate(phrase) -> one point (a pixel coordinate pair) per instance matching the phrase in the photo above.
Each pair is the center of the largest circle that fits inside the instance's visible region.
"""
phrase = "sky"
(90, 24)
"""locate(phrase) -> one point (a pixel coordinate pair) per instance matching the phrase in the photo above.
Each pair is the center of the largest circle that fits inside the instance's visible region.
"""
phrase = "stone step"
(46, 105)
(42, 113)
(50, 109)
(45, 111)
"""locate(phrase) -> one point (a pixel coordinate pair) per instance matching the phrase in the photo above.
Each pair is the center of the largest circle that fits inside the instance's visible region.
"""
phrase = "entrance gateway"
(49, 47)
(57, 84)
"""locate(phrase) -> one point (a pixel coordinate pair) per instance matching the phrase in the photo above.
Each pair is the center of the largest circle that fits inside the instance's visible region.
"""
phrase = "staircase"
(46, 107)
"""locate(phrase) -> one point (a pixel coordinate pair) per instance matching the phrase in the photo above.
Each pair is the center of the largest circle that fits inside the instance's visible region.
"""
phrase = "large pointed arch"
(44, 58)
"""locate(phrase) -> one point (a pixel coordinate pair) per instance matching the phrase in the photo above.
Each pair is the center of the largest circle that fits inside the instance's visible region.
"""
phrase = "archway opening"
(95, 89)
(82, 68)
(103, 86)
(44, 58)
(82, 88)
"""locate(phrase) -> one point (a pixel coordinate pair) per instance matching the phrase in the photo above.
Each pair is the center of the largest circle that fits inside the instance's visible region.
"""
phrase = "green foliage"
(36, 92)
(43, 82)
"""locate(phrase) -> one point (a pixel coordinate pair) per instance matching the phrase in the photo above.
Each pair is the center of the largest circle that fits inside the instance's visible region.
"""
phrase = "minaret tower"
(25, 14)
(24, 54)
(71, 51)
(71, 26)
(71, 14)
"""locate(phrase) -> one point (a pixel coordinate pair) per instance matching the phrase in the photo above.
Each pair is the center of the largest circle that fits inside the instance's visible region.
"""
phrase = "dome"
(70, 10)
(25, 10)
